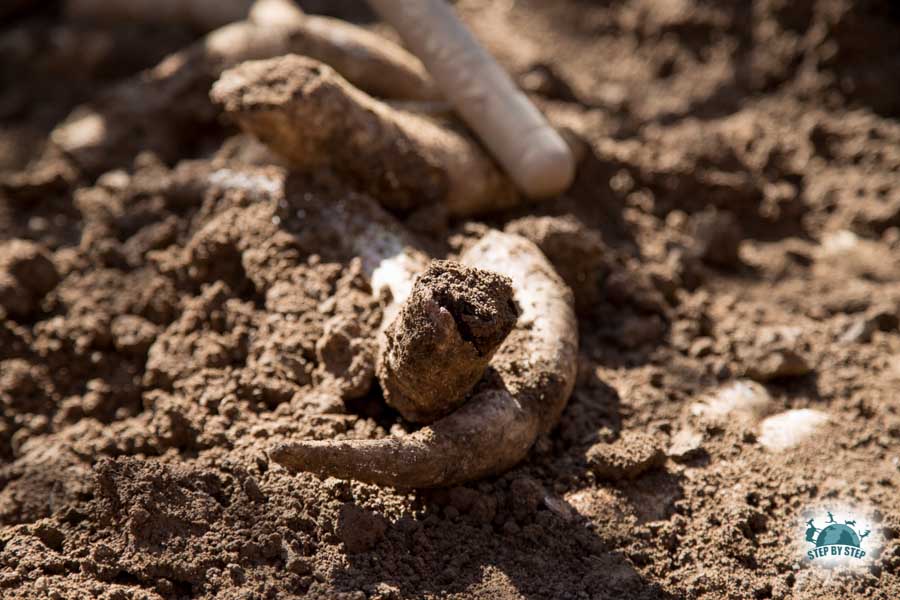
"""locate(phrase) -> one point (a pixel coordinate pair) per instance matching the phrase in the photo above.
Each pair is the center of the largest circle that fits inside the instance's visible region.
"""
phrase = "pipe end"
(547, 167)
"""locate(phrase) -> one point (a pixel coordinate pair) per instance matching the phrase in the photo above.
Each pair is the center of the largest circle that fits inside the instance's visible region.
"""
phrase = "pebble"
(878, 318)
(717, 237)
(686, 444)
(774, 353)
(791, 428)
(777, 364)
(626, 458)
(133, 334)
(743, 399)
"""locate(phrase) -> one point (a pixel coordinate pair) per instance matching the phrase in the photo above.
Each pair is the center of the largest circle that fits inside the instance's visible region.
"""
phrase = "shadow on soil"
(516, 537)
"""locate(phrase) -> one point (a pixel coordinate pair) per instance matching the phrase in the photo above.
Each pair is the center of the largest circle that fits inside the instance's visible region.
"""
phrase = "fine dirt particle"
(775, 353)
(776, 364)
(543, 79)
(686, 445)
(788, 429)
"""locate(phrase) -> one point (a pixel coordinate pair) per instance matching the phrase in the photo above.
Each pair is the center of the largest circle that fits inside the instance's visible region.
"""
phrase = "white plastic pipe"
(536, 157)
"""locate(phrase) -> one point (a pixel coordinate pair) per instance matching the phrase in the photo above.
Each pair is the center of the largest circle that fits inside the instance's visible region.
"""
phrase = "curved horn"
(497, 427)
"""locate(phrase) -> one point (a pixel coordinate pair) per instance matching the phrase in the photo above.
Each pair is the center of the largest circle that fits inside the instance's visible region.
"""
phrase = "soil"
(732, 239)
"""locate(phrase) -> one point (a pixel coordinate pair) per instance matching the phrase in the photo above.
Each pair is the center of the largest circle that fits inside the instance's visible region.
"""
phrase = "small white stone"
(84, 129)
(743, 399)
(838, 242)
(685, 444)
(788, 429)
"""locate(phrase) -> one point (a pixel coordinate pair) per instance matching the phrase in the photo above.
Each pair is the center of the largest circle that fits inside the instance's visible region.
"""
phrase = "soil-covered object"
(440, 343)
(530, 381)
(314, 118)
(175, 302)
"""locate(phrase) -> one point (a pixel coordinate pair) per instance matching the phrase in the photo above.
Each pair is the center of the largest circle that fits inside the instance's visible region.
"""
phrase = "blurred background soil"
(733, 241)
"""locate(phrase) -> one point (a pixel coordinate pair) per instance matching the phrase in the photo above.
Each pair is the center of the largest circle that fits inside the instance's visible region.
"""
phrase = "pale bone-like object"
(534, 368)
(507, 122)
(496, 428)
(313, 117)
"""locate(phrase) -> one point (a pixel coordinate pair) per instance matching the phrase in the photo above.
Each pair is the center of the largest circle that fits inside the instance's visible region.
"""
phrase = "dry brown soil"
(735, 221)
